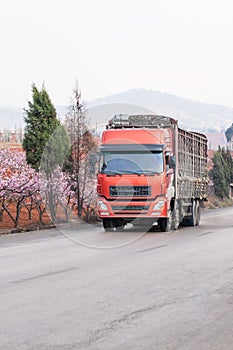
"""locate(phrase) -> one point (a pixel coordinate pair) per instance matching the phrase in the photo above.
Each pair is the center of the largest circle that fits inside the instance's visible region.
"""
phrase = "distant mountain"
(192, 115)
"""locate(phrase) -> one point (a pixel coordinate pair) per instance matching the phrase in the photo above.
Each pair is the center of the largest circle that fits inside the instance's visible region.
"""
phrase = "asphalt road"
(81, 288)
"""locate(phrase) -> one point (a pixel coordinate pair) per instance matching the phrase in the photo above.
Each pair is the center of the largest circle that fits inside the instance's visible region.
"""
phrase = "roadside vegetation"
(52, 179)
(221, 176)
(222, 173)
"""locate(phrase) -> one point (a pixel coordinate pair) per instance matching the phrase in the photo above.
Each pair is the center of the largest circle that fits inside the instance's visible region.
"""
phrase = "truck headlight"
(102, 206)
(159, 206)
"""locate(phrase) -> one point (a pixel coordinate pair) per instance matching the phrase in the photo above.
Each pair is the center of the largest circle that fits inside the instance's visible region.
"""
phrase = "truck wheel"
(108, 225)
(194, 214)
(166, 224)
(192, 219)
(176, 217)
(198, 213)
(120, 224)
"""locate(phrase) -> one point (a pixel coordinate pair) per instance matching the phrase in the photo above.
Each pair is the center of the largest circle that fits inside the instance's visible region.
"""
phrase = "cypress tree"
(46, 141)
(229, 133)
(228, 166)
(222, 172)
(41, 122)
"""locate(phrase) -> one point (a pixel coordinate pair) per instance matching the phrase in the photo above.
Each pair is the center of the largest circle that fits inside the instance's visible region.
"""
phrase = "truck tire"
(198, 213)
(191, 220)
(120, 224)
(173, 221)
(108, 225)
(165, 224)
(175, 217)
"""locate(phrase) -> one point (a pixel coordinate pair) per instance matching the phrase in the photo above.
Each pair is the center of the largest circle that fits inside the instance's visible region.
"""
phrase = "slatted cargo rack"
(192, 154)
(192, 177)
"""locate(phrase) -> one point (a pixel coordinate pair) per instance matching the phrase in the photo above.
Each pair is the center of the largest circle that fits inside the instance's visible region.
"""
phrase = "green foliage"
(41, 122)
(55, 150)
(229, 133)
(222, 172)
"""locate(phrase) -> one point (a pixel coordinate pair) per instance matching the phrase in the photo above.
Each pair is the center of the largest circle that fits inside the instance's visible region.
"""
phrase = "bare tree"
(81, 139)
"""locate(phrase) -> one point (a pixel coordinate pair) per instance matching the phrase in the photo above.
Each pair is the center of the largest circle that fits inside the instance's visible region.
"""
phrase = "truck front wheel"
(173, 220)
(166, 224)
(111, 224)
(108, 225)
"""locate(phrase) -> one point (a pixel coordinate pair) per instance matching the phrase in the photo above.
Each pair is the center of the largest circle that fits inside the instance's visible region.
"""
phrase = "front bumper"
(132, 209)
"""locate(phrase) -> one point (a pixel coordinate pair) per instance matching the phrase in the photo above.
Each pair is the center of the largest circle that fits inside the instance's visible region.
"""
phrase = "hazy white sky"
(182, 47)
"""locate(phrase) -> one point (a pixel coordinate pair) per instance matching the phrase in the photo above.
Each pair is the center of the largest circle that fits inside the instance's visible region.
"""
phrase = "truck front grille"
(129, 208)
(130, 191)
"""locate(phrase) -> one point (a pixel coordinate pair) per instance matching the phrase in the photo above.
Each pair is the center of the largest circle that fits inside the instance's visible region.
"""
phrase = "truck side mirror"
(172, 162)
(167, 161)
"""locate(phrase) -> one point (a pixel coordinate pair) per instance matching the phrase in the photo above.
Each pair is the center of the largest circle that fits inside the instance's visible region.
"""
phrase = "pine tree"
(41, 122)
(229, 133)
(222, 172)
(45, 142)
(228, 165)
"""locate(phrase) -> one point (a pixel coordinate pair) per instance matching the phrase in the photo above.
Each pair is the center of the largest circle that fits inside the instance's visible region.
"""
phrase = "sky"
(181, 47)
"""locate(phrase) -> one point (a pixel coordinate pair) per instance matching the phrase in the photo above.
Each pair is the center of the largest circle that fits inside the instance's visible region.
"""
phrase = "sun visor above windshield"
(131, 147)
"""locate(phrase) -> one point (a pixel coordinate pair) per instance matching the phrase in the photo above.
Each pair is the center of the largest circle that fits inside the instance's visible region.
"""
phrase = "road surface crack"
(128, 318)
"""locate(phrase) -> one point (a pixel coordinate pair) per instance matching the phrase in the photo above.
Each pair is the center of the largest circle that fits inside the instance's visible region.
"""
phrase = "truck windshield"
(121, 162)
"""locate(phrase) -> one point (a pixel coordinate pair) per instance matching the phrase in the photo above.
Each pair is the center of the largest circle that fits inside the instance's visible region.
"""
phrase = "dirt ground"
(25, 224)
(214, 202)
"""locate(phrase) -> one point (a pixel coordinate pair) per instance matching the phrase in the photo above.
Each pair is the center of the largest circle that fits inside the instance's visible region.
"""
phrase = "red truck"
(151, 172)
